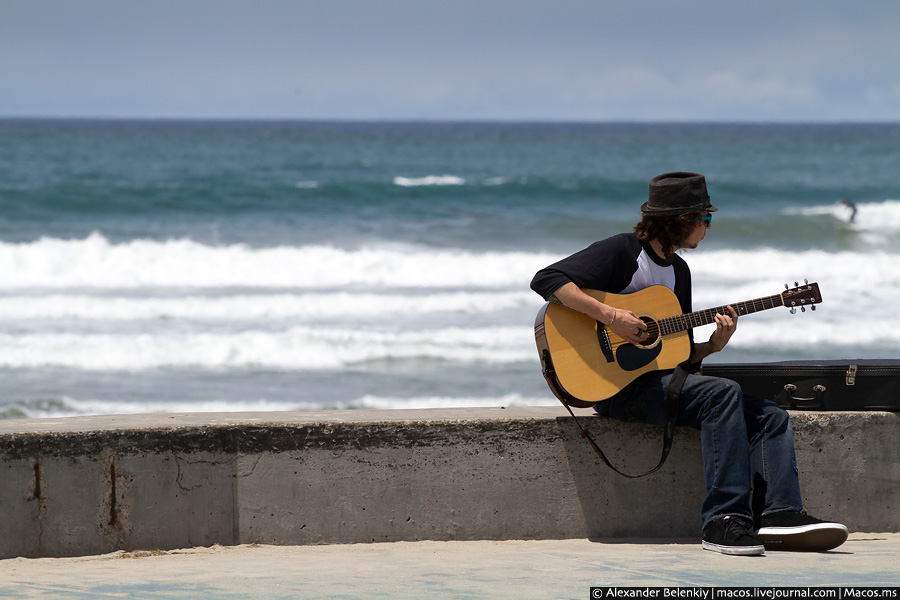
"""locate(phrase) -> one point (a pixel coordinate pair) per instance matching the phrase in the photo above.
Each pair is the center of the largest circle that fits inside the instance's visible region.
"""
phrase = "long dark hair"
(670, 231)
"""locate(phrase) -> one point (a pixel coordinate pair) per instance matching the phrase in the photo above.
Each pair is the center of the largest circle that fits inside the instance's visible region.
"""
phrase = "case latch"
(851, 375)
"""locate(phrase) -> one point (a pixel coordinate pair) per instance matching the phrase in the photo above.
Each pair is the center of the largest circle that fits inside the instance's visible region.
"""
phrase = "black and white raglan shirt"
(621, 264)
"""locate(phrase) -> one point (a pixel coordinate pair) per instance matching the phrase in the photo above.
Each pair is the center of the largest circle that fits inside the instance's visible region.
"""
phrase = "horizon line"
(431, 120)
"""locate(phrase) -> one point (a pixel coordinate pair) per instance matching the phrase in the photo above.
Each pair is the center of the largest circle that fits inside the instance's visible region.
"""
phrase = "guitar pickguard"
(631, 358)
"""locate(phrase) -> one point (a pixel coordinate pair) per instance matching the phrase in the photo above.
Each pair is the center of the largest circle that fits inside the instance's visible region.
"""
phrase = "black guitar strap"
(673, 397)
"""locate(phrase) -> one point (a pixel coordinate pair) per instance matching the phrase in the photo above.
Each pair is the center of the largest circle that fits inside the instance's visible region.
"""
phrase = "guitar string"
(682, 322)
(659, 328)
(669, 325)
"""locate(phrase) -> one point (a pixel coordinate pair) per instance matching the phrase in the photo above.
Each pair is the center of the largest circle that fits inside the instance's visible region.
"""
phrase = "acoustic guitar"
(585, 362)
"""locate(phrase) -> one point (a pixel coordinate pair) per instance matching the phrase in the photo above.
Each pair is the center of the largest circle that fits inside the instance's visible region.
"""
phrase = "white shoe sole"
(818, 537)
(735, 550)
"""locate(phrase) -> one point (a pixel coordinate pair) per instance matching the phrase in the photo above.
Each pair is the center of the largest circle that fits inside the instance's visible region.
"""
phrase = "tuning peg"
(796, 284)
(806, 281)
(802, 309)
(813, 307)
(786, 286)
(793, 311)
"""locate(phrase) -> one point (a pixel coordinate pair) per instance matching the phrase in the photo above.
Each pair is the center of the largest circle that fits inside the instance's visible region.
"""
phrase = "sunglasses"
(708, 220)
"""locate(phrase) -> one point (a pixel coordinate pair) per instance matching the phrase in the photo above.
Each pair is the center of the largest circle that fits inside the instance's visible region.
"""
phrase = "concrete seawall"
(90, 485)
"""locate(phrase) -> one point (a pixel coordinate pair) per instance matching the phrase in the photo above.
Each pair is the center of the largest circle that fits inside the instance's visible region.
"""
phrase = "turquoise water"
(172, 266)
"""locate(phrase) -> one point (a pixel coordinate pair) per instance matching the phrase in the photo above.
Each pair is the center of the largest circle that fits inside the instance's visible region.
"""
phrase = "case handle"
(799, 402)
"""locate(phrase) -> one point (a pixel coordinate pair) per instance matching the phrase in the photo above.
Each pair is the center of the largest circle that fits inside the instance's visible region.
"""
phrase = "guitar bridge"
(603, 340)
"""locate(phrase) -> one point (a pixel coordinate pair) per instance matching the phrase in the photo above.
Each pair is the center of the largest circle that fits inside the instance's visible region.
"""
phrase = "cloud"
(573, 59)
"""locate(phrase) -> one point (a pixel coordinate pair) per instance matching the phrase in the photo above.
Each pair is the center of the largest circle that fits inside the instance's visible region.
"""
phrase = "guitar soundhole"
(652, 334)
(632, 357)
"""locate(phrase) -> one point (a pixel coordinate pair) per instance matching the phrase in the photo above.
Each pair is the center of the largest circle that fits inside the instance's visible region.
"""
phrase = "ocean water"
(229, 266)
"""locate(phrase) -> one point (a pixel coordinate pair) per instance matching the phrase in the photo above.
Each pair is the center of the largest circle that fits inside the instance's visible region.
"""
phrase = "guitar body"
(584, 362)
(589, 363)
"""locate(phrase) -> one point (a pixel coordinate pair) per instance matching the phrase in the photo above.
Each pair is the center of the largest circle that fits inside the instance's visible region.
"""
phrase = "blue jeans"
(747, 442)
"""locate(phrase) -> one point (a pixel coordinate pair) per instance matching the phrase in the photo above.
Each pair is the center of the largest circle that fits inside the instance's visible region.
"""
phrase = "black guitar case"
(853, 384)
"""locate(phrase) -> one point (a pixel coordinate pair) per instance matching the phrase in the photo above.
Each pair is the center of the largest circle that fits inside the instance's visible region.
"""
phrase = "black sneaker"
(731, 535)
(796, 530)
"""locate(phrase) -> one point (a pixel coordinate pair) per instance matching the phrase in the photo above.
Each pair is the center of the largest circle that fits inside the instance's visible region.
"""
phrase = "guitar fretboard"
(705, 317)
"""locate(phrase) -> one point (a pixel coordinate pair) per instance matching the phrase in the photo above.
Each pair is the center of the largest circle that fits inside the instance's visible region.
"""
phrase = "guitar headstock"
(801, 295)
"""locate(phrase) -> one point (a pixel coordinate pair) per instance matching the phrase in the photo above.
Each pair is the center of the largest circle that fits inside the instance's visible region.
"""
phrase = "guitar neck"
(705, 317)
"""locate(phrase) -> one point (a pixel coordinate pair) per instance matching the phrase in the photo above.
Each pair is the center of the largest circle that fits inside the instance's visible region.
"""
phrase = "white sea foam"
(854, 282)
(241, 307)
(430, 180)
(94, 262)
(67, 406)
(301, 348)
(92, 305)
(382, 402)
(856, 288)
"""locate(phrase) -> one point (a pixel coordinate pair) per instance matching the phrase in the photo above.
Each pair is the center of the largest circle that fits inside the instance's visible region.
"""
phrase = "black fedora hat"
(677, 193)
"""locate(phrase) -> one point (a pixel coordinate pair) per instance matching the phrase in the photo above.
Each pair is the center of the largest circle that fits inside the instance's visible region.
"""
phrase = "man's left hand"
(725, 328)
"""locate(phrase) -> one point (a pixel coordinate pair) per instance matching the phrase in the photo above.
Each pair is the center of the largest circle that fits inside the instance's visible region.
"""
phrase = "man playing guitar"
(753, 499)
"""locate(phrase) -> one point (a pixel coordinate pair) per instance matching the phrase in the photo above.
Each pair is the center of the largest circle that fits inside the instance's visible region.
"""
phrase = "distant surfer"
(846, 202)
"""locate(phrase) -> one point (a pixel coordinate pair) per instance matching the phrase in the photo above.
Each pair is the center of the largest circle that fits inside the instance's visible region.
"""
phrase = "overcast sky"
(598, 60)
